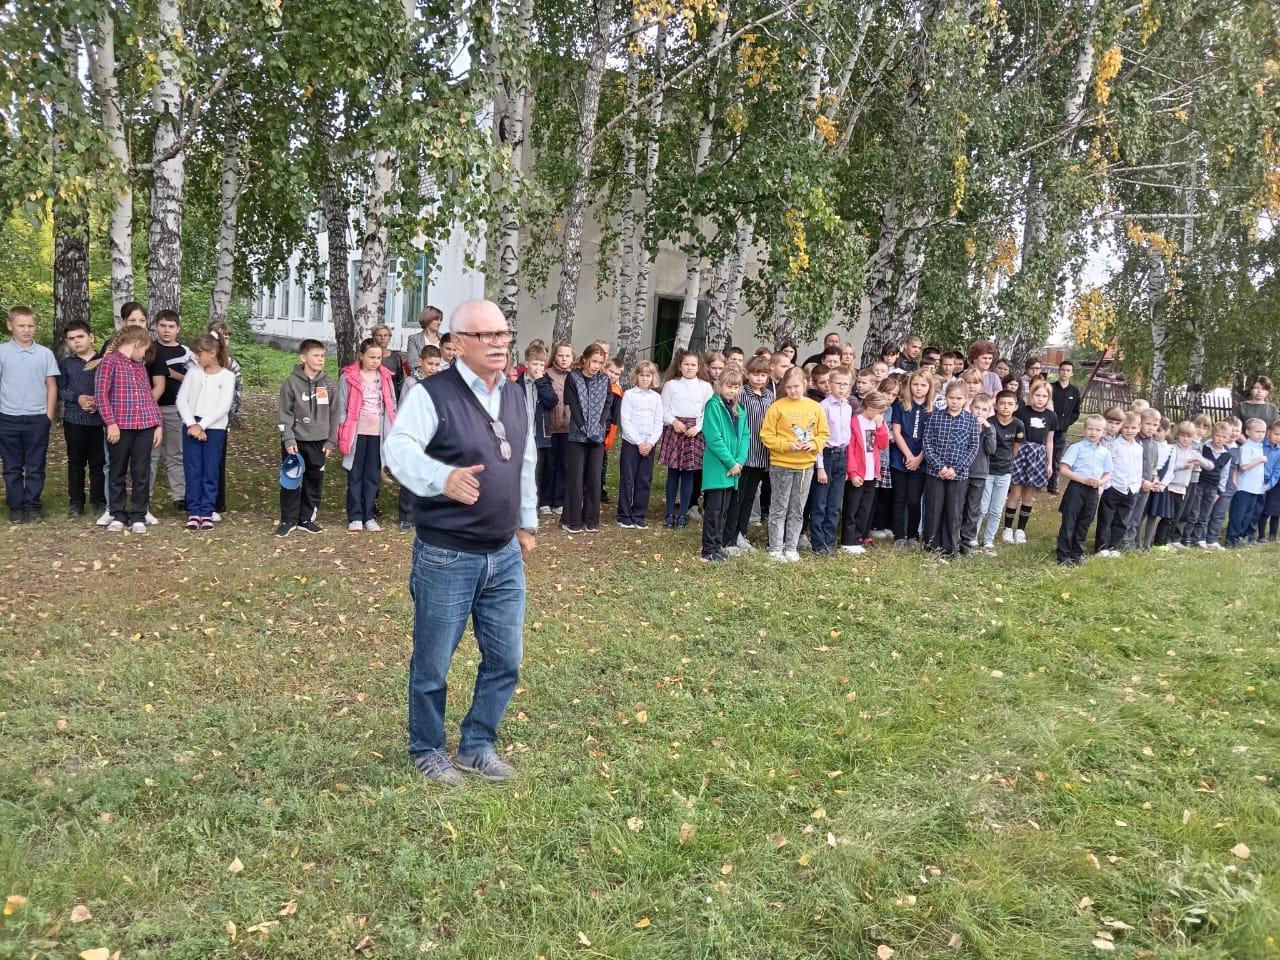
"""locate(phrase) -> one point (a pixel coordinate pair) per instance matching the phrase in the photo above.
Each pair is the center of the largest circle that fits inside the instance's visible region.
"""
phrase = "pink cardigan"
(856, 456)
(355, 394)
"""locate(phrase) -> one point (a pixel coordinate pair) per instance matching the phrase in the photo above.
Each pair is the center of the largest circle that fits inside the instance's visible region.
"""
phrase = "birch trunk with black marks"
(168, 173)
(737, 273)
(725, 289)
(371, 289)
(629, 332)
(1157, 307)
(628, 241)
(584, 155)
(513, 86)
(100, 49)
(70, 229)
(907, 299)
(229, 191)
(881, 275)
(693, 261)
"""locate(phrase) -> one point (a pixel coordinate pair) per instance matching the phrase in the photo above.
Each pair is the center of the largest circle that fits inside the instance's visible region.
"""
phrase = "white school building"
(286, 313)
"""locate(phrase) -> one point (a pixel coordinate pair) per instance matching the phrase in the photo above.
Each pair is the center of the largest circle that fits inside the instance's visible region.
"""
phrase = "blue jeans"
(200, 463)
(363, 478)
(994, 495)
(828, 499)
(1243, 516)
(449, 588)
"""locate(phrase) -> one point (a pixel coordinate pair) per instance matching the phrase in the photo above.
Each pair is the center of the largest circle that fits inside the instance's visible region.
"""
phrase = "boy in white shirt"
(1122, 489)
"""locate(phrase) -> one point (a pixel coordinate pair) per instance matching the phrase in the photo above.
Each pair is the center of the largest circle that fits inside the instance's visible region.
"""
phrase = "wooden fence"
(1179, 403)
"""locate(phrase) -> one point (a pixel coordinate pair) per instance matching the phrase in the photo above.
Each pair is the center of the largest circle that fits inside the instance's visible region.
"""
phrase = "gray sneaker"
(436, 765)
(487, 763)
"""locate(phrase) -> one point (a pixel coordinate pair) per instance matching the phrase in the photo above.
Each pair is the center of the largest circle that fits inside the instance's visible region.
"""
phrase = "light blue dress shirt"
(24, 379)
(1089, 460)
(416, 423)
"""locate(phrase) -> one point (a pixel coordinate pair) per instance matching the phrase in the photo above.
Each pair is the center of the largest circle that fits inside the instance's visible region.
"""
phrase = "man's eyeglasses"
(493, 338)
(499, 431)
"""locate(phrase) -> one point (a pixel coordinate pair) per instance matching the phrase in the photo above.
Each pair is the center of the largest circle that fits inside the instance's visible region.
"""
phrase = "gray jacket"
(307, 409)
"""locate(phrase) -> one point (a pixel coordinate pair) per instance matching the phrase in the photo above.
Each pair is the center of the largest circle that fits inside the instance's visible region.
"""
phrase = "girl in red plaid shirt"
(122, 392)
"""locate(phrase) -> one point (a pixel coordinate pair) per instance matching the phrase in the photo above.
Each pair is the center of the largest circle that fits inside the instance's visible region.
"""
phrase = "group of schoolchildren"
(124, 409)
(945, 450)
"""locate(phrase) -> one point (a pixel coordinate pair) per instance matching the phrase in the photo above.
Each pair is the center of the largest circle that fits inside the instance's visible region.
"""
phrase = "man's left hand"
(528, 542)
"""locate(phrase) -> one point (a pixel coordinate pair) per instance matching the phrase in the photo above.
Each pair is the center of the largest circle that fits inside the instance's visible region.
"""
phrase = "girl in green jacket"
(725, 428)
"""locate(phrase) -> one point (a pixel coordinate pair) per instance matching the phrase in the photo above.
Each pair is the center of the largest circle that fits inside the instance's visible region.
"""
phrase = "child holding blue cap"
(308, 431)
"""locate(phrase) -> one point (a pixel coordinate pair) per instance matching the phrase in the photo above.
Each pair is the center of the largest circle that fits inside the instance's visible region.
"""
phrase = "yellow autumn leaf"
(235, 866)
(13, 902)
(96, 953)
(642, 923)
(686, 832)
(885, 952)
(80, 913)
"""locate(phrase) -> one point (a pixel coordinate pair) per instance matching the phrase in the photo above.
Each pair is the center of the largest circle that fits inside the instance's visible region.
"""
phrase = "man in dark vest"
(463, 444)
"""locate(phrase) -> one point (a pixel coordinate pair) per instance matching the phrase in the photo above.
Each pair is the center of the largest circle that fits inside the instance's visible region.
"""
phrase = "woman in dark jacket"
(589, 399)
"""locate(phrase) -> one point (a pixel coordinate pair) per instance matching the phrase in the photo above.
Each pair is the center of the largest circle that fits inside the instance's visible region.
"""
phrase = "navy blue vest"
(463, 438)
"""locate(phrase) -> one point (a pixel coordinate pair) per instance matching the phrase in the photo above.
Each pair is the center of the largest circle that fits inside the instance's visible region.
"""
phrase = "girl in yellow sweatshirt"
(795, 431)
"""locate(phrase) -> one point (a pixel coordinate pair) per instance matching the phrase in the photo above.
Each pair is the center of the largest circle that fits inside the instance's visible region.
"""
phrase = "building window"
(318, 293)
(286, 288)
(271, 301)
(415, 292)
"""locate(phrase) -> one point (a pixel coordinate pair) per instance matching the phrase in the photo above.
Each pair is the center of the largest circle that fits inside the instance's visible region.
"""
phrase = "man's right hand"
(463, 484)
(113, 434)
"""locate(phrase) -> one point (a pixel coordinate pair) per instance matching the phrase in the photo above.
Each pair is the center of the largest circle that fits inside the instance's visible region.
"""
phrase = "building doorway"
(666, 320)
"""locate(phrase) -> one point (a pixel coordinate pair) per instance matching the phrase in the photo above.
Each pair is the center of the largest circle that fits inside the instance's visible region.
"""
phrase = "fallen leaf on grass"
(95, 953)
(885, 952)
(1240, 851)
(726, 869)
(583, 939)
(365, 945)
(642, 923)
(1101, 944)
(266, 926)
(819, 813)
(1084, 904)
(80, 913)
(13, 902)
(288, 909)
(635, 824)
(231, 930)
(956, 941)
(235, 866)
(642, 716)
(686, 832)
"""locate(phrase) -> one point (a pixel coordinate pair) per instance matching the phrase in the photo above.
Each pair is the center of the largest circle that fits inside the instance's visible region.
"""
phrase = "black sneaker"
(309, 526)
(75, 510)
(180, 506)
(285, 529)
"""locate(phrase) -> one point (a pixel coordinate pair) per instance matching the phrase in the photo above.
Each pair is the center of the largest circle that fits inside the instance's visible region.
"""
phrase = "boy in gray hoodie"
(308, 429)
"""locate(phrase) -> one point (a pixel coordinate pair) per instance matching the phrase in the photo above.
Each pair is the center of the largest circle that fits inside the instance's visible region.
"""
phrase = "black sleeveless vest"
(463, 438)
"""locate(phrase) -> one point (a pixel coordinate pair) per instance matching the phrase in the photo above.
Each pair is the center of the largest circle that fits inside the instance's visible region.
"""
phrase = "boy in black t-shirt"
(167, 369)
(1009, 433)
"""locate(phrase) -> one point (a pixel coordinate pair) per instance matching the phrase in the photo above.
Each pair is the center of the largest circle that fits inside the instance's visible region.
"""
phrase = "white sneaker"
(355, 526)
(372, 526)
(1216, 546)
(217, 517)
(115, 526)
(778, 555)
(1202, 545)
(744, 544)
(139, 528)
(151, 521)
(544, 510)
(1007, 536)
(105, 520)
(854, 548)
(792, 556)
(1019, 536)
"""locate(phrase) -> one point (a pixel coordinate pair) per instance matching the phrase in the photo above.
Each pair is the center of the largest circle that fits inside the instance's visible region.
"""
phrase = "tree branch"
(189, 129)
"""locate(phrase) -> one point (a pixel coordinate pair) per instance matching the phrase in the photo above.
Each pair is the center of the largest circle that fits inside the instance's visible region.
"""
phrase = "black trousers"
(752, 479)
(220, 505)
(131, 460)
(971, 514)
(1113, 516)
(635, 479)
(908, 487)
(715, 517)
(551, 491)
(855, 512)
(301, 505)
(85, 449)
(944, 502)
(582, 485)
(1078, 506)
(1059, 448)
(1165, 531)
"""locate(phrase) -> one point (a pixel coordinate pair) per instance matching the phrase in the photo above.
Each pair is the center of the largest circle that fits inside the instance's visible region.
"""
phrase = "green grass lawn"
(852, 757)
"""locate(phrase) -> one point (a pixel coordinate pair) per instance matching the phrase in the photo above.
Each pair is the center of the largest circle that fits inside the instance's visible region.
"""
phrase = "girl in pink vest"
(366, 410)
